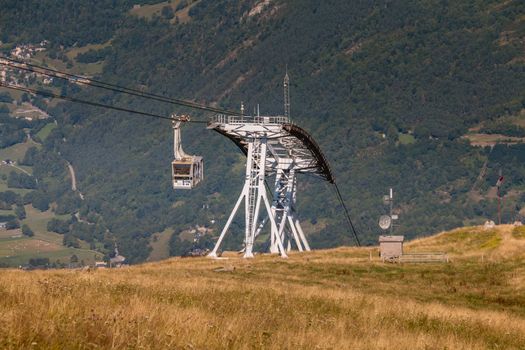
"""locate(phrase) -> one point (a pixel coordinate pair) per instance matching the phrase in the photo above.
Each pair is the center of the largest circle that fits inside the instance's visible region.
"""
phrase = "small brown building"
(391, 247)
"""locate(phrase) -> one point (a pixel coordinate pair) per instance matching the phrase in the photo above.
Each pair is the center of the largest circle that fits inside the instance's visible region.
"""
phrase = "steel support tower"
(274, 149)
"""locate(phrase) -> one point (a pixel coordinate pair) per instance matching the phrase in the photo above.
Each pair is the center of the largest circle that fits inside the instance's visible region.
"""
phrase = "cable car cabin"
(187, 172)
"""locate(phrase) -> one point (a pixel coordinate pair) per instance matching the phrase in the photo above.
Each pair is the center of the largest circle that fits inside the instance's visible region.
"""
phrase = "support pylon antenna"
(286, 86)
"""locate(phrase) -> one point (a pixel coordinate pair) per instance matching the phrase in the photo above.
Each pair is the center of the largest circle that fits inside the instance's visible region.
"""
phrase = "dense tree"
(58, 226)
(167, 12)
(40, 200)
(20, 212)
(9, 197)
(39, 262)
(26, 231)
(21, 180)
(29, 157)
(5, 97)
(12, 224)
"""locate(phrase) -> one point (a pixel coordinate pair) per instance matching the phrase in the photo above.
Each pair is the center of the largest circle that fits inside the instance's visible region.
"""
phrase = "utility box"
(391, 247)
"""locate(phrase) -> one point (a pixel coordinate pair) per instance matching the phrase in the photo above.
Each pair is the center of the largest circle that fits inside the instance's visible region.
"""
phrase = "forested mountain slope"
(387, 88)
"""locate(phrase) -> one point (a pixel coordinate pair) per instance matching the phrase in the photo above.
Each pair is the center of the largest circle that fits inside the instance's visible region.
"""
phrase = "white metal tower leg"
(261, 189)
(301, 234)
(273, 242)
(290, 202)
(255, 172)
(261, 226)
(279, 243)
(282, 224)
(283, 203)
(251, 186)
(295, 235)
(213, 253)
(275, 202)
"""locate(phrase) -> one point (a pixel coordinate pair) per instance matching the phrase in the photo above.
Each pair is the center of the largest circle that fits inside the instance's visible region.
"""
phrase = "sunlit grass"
(45, 131)
(519, 232)
(336, 299)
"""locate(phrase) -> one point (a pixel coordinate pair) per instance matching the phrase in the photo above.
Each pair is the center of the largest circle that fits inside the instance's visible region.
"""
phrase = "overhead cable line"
(16, 64)
(90, 103)
(347, 214)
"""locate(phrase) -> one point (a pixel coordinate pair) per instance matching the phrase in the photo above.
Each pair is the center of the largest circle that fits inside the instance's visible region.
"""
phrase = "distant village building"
(100, 264)
(391, 247)
(28, 50)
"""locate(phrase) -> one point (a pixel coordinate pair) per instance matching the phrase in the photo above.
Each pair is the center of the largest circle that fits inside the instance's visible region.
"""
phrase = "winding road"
(74, 180)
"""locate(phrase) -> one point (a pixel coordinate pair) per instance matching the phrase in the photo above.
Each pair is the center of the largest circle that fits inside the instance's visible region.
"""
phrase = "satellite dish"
(385, 221)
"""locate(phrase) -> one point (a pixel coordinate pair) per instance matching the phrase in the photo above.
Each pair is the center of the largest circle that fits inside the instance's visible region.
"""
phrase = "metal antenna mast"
(498, 187)
(286, 86)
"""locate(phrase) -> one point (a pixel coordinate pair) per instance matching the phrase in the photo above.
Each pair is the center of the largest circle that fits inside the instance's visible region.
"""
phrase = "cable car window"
(181, 169)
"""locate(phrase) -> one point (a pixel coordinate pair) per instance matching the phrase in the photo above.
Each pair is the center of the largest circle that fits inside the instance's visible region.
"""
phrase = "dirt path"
(74, 180)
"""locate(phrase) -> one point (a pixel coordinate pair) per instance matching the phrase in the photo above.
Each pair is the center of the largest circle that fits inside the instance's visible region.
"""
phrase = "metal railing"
(423, 257)
(231, 119)
(419, 257)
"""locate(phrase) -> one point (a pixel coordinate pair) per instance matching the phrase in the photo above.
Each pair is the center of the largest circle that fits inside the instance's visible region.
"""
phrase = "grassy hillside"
(326, 299)
(16, 249)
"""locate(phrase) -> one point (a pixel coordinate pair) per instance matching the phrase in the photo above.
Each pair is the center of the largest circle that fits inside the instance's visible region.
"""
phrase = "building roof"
(391, 239)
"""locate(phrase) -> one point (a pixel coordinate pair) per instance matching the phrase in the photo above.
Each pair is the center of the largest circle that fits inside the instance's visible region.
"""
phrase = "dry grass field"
(334, 299)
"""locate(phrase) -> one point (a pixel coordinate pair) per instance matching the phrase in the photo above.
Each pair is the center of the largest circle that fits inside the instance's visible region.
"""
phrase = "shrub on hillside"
(20, 212)
(26, 231)
(58, 226)
(40, 201)
(12, 224)
(39, 261)
(21, 181)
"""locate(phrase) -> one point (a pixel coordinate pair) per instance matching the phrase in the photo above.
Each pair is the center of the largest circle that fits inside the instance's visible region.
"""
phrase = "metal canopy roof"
(285, 141)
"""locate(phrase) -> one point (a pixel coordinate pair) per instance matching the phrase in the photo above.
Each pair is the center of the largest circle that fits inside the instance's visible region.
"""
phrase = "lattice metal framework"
(274, 147)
